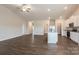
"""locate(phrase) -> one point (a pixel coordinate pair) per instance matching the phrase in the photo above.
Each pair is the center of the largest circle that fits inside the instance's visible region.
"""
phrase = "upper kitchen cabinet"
(67, 23)
(77, 20)
(74, 20)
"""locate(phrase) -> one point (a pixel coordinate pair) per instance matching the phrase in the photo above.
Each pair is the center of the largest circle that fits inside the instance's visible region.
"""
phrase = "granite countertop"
(75, 31)
(71, 31)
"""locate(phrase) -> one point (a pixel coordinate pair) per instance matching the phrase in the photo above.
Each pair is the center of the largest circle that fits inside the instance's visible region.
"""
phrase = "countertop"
(71, 31)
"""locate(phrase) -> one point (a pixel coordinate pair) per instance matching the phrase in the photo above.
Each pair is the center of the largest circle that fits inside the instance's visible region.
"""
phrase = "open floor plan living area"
(39, 29)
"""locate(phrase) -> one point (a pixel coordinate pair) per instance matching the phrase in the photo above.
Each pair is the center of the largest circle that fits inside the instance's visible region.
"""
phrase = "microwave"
(71, 24)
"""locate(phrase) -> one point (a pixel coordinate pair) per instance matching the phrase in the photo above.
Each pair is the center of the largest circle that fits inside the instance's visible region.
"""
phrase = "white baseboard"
(10, 37)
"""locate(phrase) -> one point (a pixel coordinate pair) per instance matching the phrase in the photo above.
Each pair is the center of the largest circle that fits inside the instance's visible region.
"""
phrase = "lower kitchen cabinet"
(74, 36)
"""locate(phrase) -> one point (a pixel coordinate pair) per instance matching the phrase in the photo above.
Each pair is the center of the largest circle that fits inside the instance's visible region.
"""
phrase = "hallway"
(24, 45)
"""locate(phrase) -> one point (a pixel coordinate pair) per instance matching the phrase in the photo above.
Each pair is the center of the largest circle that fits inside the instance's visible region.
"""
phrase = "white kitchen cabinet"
(74, 36)
(67, 23)
(77, 20)
(52, 37)
(65, 33)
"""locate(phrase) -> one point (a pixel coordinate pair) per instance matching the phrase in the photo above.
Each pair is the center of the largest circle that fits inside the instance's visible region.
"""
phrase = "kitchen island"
(52, 37)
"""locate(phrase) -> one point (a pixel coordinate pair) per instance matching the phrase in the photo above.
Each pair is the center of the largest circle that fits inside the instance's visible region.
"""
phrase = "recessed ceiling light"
(49, 10)
(65, 8)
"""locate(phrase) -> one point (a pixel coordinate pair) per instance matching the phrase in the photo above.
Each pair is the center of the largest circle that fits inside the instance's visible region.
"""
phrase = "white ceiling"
(40, 11)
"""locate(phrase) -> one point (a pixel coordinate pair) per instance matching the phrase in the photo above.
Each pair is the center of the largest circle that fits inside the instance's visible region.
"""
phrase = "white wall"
(11, 25)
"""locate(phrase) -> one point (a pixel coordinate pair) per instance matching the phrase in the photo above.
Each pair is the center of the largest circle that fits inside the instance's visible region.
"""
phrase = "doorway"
(59, 27)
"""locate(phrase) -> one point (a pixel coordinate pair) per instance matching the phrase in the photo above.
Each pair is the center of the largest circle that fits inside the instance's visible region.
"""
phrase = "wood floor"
(25, 45)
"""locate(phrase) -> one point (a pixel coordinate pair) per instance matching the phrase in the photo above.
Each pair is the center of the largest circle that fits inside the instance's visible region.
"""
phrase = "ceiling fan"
(25, 7)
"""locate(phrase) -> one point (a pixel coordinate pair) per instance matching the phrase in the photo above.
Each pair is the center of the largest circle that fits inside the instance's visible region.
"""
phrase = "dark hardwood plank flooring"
(25, 45)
